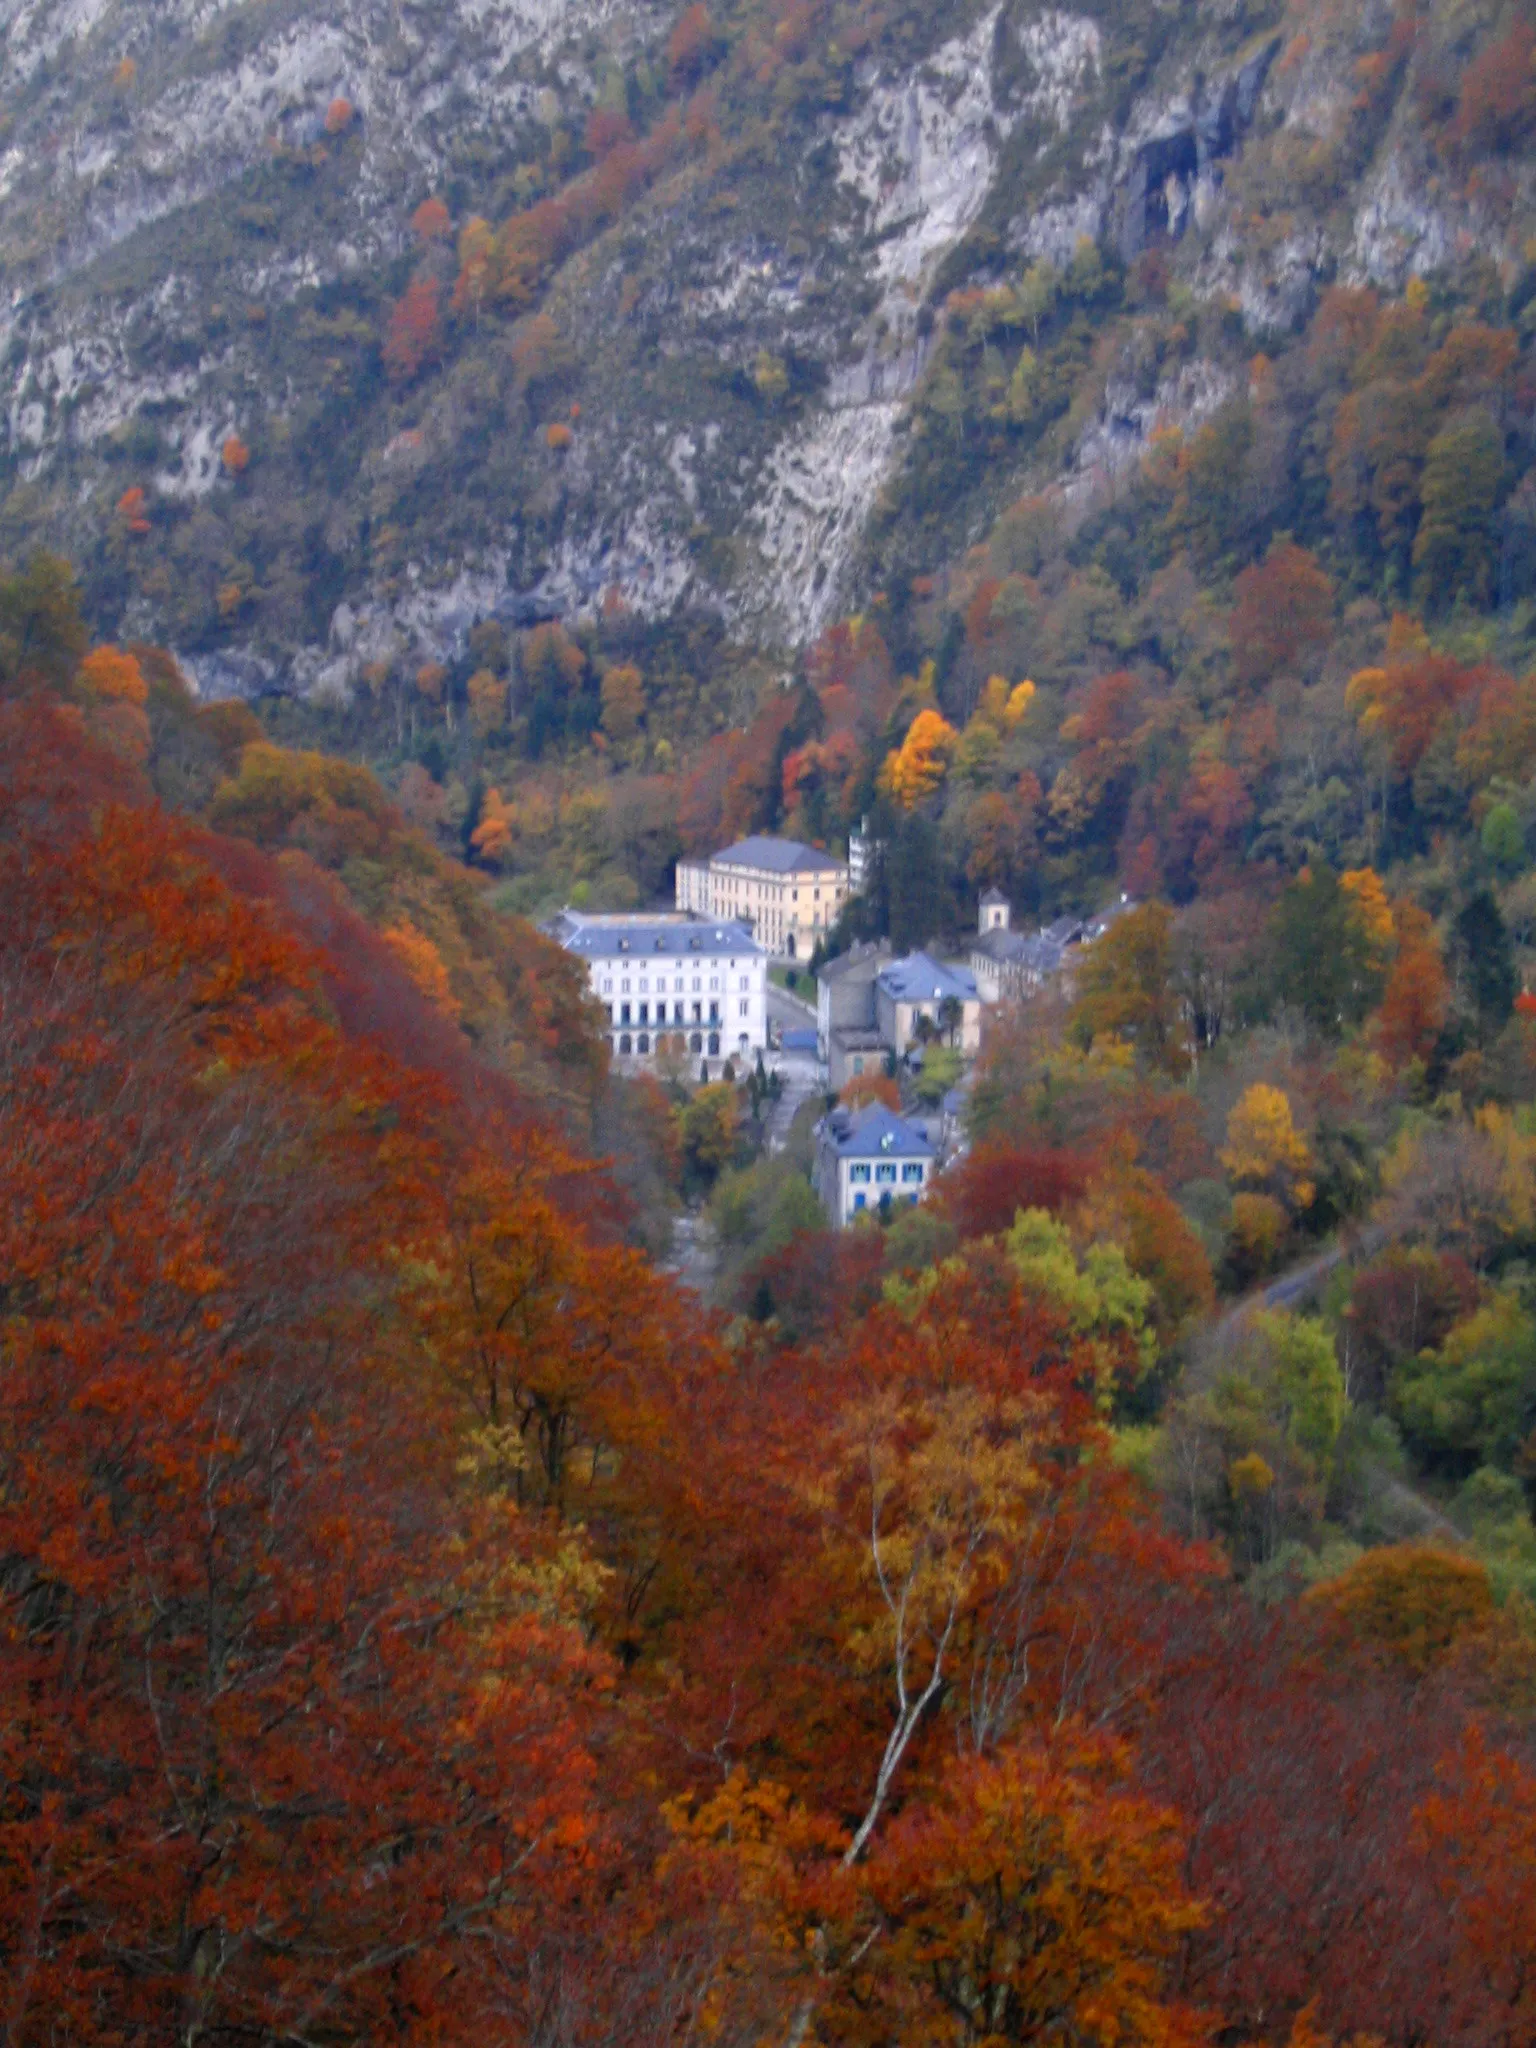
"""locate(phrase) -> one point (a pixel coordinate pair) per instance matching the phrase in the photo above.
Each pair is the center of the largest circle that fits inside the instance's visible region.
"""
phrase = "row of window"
(862, 1201)
(628, 1043)
(885, 1170)
(606, 987)
(620, 1013)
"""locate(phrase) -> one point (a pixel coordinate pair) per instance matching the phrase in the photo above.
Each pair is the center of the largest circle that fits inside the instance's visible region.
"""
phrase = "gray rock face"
(197, 243)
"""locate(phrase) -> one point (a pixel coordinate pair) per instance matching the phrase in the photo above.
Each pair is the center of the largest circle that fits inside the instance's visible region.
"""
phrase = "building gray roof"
(647, 937)
(778, 856)
(867, 958)
(999, 946)
(921, 979)
(874, 1132)
(993, 896)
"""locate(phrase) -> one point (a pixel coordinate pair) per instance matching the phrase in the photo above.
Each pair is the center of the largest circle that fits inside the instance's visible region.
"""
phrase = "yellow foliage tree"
(117, 693)
(623, 703)
(915, 770)
(1264, 1149)
(492, 837)
(487, 701)
(1020, 698)
(114, 676)
(424, 964)
(1368, 901)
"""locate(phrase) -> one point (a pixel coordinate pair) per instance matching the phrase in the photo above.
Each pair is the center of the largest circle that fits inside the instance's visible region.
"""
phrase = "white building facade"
(787, 892)
(670, 984)
(870, 1160)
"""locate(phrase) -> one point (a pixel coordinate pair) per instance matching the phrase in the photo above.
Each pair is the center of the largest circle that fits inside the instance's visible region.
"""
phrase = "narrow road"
(802, 1077)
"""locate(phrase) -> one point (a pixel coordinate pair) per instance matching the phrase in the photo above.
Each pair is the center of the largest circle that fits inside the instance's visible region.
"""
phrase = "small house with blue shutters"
(870, 1159)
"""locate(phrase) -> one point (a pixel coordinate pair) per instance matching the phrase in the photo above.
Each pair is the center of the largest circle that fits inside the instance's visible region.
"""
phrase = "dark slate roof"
(867, 958)
(875, 1132)
(993, 896)
(999, 946)
(1066, 931)
(779, 856)
(642, 939)
(921, 979)
(1042, 955)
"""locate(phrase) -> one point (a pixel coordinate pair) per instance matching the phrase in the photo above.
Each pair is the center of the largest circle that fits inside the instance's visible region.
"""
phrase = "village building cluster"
(693, 982)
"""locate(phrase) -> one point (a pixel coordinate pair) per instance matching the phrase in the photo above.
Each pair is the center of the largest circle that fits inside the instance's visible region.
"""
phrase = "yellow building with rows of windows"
(789, 894)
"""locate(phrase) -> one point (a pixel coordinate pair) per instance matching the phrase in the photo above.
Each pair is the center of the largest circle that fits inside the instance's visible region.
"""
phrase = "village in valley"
(752, 977)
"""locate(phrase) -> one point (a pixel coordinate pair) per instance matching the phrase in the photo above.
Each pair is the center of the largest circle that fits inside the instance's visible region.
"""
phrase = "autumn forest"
(482, 1560)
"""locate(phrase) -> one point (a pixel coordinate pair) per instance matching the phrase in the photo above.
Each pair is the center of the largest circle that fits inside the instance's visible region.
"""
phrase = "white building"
(788, 893)
(671, 984)
(870, 1159)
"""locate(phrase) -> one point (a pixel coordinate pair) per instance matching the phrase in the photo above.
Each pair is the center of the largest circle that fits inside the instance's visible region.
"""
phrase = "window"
(698, 1014)
(678, 985)
(913, 1171)
(858, 1201)
(645, 986)
(746, 983)
(608, 987)
(714, 1013)
(859, 1171)
(746, 1008)
(714, 1041)
(645, 1013)
(642, 1043)
(624, 988)
(696, 1043)
(624, 1015)
(886, 1170)
(624, 1044)
(697, 984)
(714, 981)
(858, 1063)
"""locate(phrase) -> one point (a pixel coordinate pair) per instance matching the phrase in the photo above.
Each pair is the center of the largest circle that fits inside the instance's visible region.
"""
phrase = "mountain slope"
(700, 396)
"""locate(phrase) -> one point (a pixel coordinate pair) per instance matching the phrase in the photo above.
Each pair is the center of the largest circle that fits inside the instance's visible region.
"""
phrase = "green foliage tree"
(1503, 838)
(1474, 1400)
(709, 1132)
(1322, 961)
(1453, 550)
(42, 634)
(1125, 989)
(1487, 961)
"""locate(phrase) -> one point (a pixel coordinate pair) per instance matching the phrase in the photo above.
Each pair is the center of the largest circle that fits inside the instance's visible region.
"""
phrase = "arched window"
(696, 1042)
(643, 1042)
(714, 1041)
(624, 1044)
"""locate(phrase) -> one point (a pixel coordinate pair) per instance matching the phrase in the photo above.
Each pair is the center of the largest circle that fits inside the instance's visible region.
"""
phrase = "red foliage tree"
(412, 339)
(1284, 609)
(990, 1185)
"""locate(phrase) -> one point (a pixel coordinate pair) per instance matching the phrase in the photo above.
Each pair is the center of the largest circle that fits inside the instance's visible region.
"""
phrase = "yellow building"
(787, 893)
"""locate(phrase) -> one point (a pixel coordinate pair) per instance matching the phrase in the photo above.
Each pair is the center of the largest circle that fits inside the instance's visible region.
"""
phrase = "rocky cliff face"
(198, 241)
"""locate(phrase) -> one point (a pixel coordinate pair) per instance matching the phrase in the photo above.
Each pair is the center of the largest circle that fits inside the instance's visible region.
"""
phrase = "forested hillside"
(458, 461)
(421, 1624)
